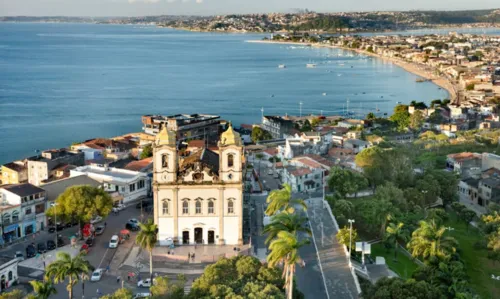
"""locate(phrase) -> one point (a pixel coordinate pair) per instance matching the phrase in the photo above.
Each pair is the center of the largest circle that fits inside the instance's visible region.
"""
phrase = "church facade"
(198, 196)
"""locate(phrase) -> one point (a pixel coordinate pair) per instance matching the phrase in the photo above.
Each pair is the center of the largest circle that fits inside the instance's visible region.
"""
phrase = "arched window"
(10, 275)
(15, 216)
(230, 160)
(230, 207)
(185, 207)
(198, 207)
(164, 160)
(6, 218)
(165, 207)
(210, 207)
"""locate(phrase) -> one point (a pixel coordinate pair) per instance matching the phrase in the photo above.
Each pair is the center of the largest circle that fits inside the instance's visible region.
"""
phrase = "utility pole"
(262, 111)
(300, 103)
(351, 221)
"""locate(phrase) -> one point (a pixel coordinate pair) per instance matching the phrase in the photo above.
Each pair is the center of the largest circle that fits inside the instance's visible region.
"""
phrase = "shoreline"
(407, 66)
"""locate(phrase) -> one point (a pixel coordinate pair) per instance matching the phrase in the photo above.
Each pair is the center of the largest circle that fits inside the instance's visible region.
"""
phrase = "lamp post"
(351, 221)
(300, 103)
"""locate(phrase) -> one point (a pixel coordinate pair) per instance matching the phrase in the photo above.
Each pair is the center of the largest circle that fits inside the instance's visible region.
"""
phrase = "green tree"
(344, 181)
(43, 289)
(367, 156)
(436, 117)
(147, 151)
(370, 116)
(66, 267)
(121, 293)
(306, 127)
(396, 233)
(386, 288)
(470, 86)
(82, 203)
(15, 294)
(343, 207)
(285, 250)
(439, 216)
(315, 122)
(458, 207)
(344, 235)
(147, 238)
(430, 189)
(429, 241)
(281, 200)
(291, 223)
(417, 120)
(467, 216)
(259, 134)
(401, 116)
(163, 288)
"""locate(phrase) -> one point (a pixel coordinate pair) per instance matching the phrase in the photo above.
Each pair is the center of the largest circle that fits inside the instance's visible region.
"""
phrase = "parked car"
(120, 207)
(60, 226)
(90, 241)
(41, 248)
(85, 249)
(19, 255)
(52, 229)
(132, 227)
(30, 251)
(96, 219)
(144, 204)
(97, 274)
(141, 295)
(99, 229)
(60, 242)
(113, 243)
(51, 245)
(134, 221)
(145, 283)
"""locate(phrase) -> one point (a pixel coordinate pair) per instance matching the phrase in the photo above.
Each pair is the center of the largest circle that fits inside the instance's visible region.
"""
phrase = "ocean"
(64, 83)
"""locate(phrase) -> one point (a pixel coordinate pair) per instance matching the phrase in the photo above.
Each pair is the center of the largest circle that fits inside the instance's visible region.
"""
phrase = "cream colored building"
(198, 198)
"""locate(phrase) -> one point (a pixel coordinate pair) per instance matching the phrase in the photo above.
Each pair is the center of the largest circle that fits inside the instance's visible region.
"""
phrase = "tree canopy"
(401, 116)
(147, 151)
(259, 134)
(344, 181)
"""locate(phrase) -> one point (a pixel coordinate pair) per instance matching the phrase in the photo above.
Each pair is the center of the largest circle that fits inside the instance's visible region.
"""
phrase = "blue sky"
(208, 7)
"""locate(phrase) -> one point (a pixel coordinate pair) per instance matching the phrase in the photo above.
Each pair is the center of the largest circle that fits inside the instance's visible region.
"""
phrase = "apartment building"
(41, 168)
(185, 126)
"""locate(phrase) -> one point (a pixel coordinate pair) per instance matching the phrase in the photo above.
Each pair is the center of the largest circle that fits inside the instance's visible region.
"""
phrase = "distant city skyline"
(99, 8)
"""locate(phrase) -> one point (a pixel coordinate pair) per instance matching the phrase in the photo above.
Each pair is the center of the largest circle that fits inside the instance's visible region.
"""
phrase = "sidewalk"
(338, 278)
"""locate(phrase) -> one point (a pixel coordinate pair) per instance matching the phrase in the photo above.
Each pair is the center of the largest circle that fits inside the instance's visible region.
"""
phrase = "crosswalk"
(187, 288)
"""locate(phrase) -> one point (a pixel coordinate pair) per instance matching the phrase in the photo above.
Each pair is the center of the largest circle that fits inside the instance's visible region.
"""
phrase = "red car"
(85, 249)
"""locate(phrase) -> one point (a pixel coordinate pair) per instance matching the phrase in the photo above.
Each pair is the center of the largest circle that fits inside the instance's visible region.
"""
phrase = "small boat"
(324, 94)
(272, 96)
(311, 65)
(282, 66)
(352, 66)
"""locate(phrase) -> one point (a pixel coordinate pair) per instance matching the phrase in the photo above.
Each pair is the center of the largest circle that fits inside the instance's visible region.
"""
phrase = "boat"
(282, 66)
(324, 94)
(311, 65)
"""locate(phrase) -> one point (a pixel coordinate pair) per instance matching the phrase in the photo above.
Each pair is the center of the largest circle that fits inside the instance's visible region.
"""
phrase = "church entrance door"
(198, 235)
(185, 237)
(211, 237)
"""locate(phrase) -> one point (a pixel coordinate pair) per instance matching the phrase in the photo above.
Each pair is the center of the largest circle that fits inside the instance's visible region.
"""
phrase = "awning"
(10, 228)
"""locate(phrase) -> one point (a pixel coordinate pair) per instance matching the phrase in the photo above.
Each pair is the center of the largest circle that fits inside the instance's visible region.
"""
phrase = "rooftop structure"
(184, 126)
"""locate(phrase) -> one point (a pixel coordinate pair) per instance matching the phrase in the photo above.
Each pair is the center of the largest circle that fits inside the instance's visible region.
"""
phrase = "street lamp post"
(54, 204)
(351, 221)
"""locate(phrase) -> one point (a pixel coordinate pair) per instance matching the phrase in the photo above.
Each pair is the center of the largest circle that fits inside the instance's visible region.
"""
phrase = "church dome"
(230, 137)
(165, 137)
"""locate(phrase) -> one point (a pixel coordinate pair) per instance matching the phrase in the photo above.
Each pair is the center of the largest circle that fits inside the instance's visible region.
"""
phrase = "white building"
(32, 201)
(198, 199)
(132, 185)
(8, 273)
(302, 178)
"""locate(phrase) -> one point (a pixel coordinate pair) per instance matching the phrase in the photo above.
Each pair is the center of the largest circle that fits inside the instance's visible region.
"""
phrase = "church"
(198, 196)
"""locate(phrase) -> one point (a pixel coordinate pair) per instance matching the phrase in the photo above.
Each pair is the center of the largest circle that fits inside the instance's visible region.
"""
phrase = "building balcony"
(33, 201)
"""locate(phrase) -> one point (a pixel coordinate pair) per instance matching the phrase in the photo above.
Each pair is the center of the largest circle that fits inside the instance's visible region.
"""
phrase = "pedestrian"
(107, 268)
(105, 223)
(189, 256)
(98, 293)
(118, 279)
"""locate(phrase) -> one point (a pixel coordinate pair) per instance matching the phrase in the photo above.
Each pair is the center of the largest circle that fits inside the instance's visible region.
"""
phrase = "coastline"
(407, 66)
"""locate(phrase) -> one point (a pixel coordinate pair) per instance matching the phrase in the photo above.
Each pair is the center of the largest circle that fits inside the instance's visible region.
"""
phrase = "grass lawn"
(479, 267)
(404, 266)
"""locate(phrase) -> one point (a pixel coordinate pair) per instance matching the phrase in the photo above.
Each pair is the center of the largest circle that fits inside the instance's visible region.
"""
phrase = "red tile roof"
(271, 151)
(300, 171)
(139, 165)
(196, 143)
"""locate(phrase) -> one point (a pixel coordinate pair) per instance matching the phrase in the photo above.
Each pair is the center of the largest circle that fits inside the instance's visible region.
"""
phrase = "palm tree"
(43, 289)
(147, 239)
(281, 199)
(429, 241)
(396, 233)
(66, 267)
(285, 251)
(291, 223)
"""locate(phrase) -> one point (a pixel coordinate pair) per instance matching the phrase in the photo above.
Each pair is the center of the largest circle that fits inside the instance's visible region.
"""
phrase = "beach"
(419, 70)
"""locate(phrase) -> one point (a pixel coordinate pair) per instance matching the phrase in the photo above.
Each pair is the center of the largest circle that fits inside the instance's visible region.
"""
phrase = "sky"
(211, 7)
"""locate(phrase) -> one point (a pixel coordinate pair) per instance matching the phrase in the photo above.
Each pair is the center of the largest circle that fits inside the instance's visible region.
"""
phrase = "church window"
(210, 207)
(185, 207)
(165, 207)
(198, 207)
(164, 160)
(230, 160)
(230, 207)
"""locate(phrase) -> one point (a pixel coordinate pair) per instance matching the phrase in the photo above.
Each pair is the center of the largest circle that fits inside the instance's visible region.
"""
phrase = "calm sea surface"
(61, 83)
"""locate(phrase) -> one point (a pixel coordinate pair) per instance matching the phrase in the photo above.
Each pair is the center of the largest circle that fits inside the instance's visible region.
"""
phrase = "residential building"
(302, 178)
(32, 200)
(44, 166)
(490, 161)
(14, 173)
(56, 188)
(131, 185)
(296, 146)
(277, 126)
(100, 148)
(144, 165)
(11, 218)
(185, 126)
(356, 145)
(198, 199)
(8, 273)
(465, 164)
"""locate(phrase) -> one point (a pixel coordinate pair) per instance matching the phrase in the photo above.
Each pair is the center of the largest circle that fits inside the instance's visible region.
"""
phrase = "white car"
(96, 220)
(141, 295)
(97, 274)
(145, 283)
(113, 243)
(20, 256)
(121, 207)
